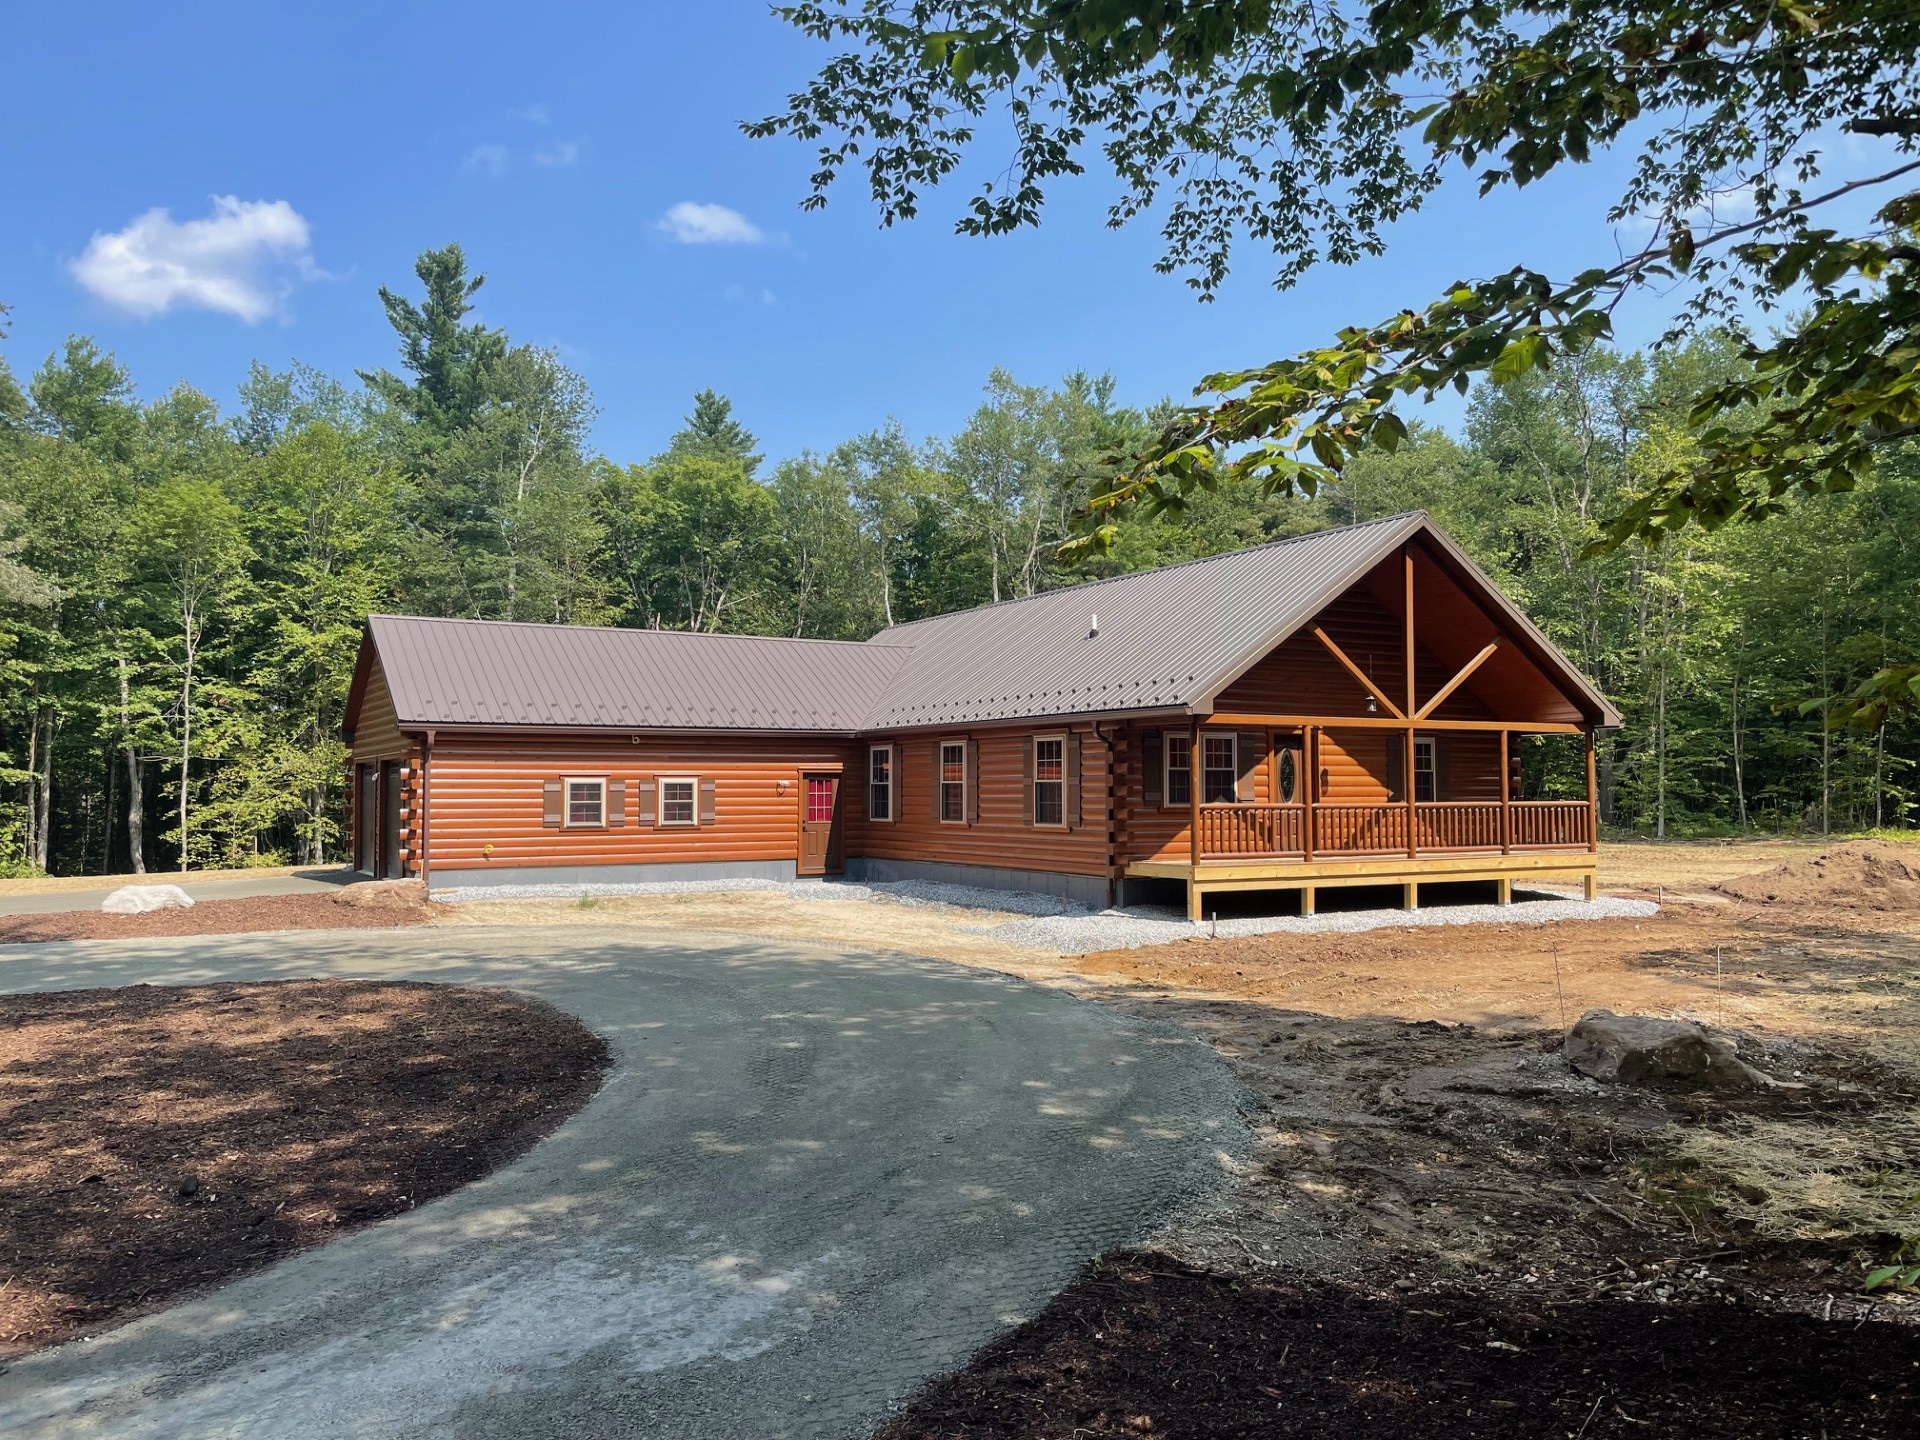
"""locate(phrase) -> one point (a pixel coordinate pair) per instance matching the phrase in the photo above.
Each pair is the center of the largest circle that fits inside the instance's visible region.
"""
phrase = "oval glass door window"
(1289, 777)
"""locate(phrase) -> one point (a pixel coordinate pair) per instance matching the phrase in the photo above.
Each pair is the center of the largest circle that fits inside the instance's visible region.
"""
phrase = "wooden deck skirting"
(1307, 876)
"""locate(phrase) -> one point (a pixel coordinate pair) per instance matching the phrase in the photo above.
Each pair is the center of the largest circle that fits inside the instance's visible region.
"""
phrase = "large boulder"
(1666, 1054)
(383, 895)
(139, 899)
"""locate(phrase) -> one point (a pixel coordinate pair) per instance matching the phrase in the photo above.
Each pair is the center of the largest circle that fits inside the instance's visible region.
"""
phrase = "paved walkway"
(305, 883)
(813, 1179)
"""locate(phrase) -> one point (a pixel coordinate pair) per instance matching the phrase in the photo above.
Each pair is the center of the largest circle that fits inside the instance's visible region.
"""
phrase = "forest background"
(182, 591)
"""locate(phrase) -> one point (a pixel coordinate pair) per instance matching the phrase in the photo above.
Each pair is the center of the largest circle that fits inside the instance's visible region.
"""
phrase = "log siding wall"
(487, 789)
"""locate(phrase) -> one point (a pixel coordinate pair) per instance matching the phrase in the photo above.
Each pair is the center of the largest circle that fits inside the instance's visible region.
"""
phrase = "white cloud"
(492, 159)
(242, 260)
(564, 153)
(1732, 206)
(533, 114)
(692, 223)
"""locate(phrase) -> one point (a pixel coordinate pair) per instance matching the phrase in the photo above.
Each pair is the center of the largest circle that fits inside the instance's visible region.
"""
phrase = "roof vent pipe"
(1093, 625)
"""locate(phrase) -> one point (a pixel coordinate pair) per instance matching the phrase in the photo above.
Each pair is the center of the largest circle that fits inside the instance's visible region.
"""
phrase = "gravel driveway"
(813, 1179)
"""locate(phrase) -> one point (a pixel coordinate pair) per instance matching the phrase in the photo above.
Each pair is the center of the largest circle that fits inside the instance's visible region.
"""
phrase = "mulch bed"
(208, 917)
(1141, 1346)
(158, 1139)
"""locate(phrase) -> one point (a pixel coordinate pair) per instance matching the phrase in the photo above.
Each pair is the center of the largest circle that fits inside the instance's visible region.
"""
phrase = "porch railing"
(1253, 829)
(1281, 831)
(1551, 824)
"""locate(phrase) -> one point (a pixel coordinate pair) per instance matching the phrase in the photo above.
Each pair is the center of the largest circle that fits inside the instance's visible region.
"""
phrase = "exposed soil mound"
(403, 895)
(1860, 875)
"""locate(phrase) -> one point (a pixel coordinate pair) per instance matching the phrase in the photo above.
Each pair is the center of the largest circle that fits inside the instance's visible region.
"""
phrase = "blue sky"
(554, 142)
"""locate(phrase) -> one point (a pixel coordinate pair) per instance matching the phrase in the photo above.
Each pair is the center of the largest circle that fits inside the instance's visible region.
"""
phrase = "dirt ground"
(1144, 1346)
(162, 1139)
(208, 917)
(1425, 1163)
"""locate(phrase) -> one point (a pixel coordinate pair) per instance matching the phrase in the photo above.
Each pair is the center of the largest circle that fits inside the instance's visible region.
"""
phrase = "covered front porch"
(1294, 837)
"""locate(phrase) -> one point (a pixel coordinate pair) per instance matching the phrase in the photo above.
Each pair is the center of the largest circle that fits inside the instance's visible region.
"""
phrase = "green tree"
(711, 431)
(449, 357)
(191, 549)
(1310, 128)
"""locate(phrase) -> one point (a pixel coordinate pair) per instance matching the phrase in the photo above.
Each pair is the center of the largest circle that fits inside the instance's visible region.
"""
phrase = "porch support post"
(1506, 890)
(1411, 892)
(1413, 815)
(1591, 885)
(1195, 773)
(1506, 795)
(1310, 754)
(1306, 899)
(1593, 798)
(1413, 705)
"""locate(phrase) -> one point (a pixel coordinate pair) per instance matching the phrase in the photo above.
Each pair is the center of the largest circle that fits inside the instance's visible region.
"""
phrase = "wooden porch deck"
(1305, 847)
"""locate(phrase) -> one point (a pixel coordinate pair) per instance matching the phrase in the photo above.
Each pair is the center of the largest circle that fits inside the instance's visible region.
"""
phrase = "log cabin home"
(1342, 708)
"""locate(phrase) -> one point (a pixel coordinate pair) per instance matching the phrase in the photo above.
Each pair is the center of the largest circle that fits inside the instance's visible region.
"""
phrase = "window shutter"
(973, 782)
(1396, 766)
(896, 783)
(1152, 769)
(1075, 817)
(1250, 754)
(649, 789)
(1442, 768)
(939, 783)
(616, 803)
(1026, 777)
(552, 804)
(708, 792)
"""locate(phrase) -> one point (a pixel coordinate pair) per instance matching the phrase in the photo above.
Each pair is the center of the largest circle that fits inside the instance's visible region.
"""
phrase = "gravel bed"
(1136, 926)
(1066, 928)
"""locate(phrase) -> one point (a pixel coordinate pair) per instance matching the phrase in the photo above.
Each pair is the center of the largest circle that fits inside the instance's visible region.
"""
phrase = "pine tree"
(712, 432)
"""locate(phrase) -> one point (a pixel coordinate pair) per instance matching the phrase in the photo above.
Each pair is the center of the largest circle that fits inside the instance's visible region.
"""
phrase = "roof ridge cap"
(632, 630)
(1163, 569)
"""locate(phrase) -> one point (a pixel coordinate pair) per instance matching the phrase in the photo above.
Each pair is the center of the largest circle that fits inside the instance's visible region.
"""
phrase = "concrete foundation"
(443, 878)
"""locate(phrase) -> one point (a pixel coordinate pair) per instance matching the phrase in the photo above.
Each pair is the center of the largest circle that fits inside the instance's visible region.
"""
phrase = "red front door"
(819, 824)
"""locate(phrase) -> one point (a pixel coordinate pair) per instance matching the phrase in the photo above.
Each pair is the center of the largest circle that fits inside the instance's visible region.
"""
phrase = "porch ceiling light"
(1373, 707)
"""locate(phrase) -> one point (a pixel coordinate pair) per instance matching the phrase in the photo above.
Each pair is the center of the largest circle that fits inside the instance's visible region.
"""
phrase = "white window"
(1178, 748)
(1426, 774)
(1050, 780)
(1220, 775)
(679, 800)
(880, 783)
(953, 782)
(586, 803)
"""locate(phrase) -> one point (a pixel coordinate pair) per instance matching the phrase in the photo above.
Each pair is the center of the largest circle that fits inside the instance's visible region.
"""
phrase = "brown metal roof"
(482, 672)
(1171, 638)
(1167, 639)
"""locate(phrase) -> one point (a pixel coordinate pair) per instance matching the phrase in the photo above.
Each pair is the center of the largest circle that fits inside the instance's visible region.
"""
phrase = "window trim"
(567, 782)
(1169, 769)
(965, 782)
(891, 785)
(692, 782)
(1429, 746)
(1058, 737)
(1231, 769)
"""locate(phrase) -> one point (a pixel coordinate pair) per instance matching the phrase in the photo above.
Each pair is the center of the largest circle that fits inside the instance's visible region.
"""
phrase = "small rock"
(140, 899)
(1671, 1054)
(189, 1187)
